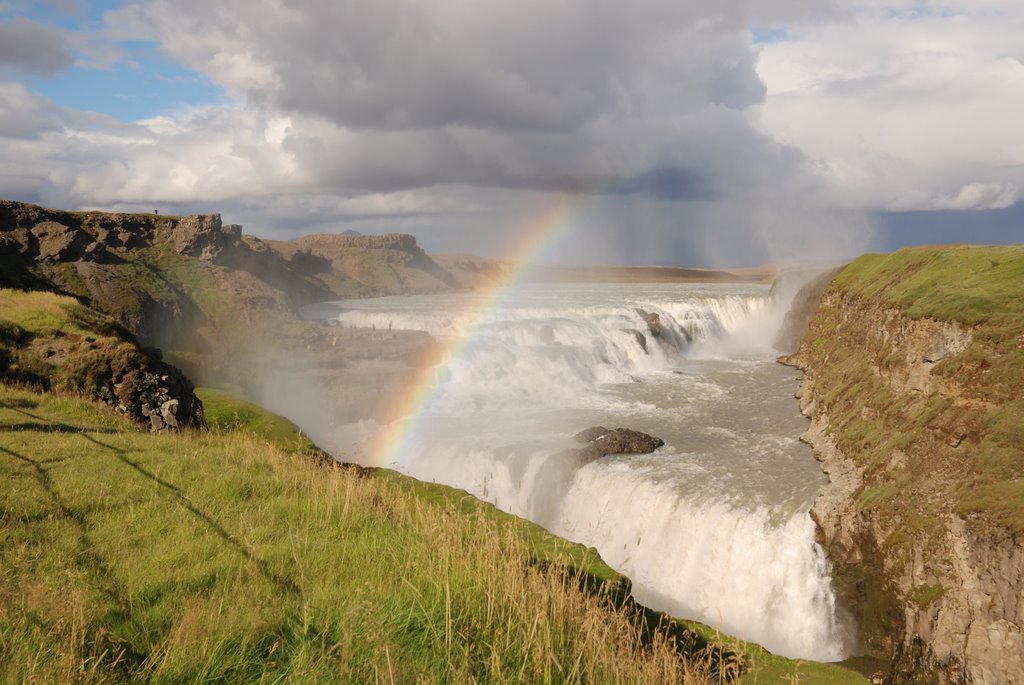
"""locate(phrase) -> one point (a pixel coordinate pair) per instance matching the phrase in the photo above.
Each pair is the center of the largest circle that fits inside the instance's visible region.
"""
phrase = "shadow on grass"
(45, 425)
(50, 428)
(44, 480)
(20, 406)
(19, 403)
(282, 582)
(86, 558)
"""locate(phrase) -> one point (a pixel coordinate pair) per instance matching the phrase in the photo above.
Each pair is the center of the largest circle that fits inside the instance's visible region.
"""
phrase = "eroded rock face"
(59, 243)
(56, 236)
(946, 607)
(204, 236)
(386, 241)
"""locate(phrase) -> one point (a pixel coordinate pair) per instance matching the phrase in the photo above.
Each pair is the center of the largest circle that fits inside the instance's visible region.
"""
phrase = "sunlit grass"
(219, 557)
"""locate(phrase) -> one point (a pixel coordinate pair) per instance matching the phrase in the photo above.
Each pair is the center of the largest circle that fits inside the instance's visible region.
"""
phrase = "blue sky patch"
(143, 84)
(769, 34)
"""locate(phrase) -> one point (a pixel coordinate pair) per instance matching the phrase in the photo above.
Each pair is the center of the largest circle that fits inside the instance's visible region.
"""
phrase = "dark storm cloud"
(450, 120)
(31, 47)
(569, 96)
(666, 183)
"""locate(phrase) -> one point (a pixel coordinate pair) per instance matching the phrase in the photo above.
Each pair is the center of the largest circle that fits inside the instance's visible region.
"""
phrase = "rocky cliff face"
(198, 288)
(901, 419)
(313, 268)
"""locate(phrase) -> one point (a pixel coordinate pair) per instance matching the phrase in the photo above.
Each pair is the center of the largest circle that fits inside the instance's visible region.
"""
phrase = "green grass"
(53, 341)
(219, 557)
(46, 314)
(924, 595)
(970, 284)
(227, 412)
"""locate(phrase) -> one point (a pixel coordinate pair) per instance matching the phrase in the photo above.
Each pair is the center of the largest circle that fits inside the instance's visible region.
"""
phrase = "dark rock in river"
(602, 441)
(653, 321)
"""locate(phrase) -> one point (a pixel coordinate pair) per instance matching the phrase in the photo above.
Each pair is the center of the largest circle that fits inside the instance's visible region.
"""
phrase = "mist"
(507, 391)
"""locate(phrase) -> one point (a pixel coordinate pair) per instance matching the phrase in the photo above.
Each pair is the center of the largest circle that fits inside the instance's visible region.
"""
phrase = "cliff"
(199, 289)
(914, 383)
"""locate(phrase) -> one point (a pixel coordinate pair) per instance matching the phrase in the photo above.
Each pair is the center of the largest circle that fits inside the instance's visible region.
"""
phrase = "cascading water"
(713, 526)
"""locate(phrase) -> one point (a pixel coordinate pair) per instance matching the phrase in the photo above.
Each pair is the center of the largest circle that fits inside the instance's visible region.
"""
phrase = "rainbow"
(405, 414)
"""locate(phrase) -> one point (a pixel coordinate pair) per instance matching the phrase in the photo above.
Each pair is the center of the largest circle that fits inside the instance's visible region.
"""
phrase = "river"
(713, 526)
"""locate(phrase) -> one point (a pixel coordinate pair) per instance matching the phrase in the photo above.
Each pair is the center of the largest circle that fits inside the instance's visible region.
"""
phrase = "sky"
(687, 132)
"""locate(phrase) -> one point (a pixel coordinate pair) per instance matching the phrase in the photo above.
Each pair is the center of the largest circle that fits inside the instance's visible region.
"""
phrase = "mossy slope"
(981, 288)
(915, 365)
(51, 341)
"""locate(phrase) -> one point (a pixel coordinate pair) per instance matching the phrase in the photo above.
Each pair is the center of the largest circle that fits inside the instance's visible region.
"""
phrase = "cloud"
(457, 121)
(401, 64)
(979, 196)
(23, 114)
(900, 102)
(571, 96)
(34, 48)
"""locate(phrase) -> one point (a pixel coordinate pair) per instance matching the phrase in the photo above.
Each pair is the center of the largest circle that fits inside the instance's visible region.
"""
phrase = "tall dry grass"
(218, 557)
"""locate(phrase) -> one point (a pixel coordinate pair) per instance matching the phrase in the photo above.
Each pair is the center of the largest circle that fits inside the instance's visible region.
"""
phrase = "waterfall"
(714, 526)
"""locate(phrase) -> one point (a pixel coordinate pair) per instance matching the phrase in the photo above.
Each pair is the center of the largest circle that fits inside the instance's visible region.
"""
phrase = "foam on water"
(714, 526)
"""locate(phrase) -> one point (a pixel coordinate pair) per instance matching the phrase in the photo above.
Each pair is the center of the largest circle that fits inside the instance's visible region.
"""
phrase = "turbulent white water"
(713, 526)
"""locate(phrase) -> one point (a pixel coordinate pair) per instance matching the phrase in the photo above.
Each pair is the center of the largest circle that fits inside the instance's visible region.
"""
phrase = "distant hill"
(202, 290)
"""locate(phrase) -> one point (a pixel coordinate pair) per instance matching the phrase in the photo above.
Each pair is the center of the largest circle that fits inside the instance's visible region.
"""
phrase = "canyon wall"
(913, 383)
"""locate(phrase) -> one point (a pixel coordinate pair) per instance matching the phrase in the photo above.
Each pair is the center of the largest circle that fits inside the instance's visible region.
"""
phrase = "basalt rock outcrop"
(312, 268)
(601, 442)
(653, 321)
(640, 338)
(205, 236)
(903, 411)
(150, 392)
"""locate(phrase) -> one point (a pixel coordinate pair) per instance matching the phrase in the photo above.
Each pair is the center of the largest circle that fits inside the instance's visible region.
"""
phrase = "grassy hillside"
(35, 329)
(226, 412)
(201, 291)
(219, 556)
(981, 288)
(50, 341)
